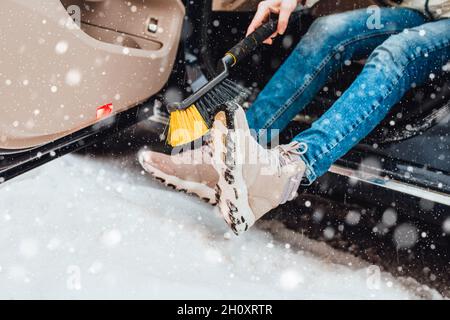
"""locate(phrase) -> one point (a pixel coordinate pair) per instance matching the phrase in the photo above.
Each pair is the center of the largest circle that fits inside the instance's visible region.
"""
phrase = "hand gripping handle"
(247, 45)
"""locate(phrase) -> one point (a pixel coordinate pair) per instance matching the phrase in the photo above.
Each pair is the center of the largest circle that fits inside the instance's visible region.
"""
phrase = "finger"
(270, 39)
(283, 19)
(274, 10)
(261, 15)
(256, 22)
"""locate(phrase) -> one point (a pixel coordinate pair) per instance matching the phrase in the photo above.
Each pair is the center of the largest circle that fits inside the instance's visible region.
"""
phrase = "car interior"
(418, 123)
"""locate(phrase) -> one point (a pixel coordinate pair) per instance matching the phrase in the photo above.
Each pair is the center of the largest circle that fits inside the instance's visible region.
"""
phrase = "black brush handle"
(247, 45)
(252, 41)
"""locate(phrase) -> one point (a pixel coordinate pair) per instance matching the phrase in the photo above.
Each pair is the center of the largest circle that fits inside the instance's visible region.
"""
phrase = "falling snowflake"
(353, 217)
(61, 47)
(96, 267)
(318, 216)
(287, 42)
(111, 238)
(446, 226)
(73, 77)
(290, 279)
(329, 233)
(405, 236)
(389, 217)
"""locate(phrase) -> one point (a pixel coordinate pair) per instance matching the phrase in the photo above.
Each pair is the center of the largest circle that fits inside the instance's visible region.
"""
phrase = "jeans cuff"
(310, 176)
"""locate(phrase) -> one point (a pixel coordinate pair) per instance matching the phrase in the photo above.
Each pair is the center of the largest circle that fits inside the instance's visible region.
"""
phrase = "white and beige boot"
(252, 180)
(190, 171)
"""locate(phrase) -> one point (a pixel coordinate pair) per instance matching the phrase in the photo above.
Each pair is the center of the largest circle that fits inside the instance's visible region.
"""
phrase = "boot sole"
(232, 195)
(205, 193)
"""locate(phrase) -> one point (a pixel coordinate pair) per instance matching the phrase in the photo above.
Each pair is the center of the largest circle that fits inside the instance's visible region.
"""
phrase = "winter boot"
(190, 171)
(252, 180)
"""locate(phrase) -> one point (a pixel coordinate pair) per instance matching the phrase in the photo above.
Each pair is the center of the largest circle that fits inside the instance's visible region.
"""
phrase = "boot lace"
(289, 153)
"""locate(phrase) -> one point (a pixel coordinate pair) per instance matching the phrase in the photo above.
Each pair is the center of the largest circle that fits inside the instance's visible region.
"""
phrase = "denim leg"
(402, 61)
(329, 42)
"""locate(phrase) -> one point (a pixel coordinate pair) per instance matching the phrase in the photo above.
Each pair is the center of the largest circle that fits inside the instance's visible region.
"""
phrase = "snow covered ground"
(94, 228)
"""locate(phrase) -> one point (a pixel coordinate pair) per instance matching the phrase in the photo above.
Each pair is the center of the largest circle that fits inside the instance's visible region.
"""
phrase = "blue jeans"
(404, 51)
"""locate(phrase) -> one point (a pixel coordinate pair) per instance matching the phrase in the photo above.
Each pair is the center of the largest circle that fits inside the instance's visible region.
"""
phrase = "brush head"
(187, 125)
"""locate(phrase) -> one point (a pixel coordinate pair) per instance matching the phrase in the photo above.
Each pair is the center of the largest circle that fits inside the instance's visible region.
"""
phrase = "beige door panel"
(54, 74)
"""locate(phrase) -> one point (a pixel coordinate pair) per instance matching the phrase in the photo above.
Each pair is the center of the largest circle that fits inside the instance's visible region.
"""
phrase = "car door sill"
(392, 184)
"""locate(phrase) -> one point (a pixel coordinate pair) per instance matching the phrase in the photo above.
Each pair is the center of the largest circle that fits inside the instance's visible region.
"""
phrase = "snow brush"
(192, 118)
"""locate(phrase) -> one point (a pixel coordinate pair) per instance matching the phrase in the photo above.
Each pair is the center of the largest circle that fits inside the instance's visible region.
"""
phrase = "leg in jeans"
(330, 42)
(403, 60)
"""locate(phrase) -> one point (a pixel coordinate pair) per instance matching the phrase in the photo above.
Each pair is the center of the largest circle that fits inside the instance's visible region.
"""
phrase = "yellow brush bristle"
(186, 126)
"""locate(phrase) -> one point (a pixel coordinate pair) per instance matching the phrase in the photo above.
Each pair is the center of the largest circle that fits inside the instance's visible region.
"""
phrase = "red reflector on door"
(104, 111)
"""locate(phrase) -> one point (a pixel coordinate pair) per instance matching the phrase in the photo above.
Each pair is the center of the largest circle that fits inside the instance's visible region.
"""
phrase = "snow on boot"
(190, 171)
(252, 180)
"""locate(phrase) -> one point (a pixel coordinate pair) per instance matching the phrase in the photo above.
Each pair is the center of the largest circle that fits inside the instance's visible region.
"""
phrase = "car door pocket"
(138, 24)
(121, 38)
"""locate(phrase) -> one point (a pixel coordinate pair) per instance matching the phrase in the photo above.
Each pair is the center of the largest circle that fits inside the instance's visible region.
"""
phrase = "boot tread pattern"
(173, 187)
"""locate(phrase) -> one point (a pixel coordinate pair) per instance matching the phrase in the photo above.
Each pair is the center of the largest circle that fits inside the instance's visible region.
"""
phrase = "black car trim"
(14, 165)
